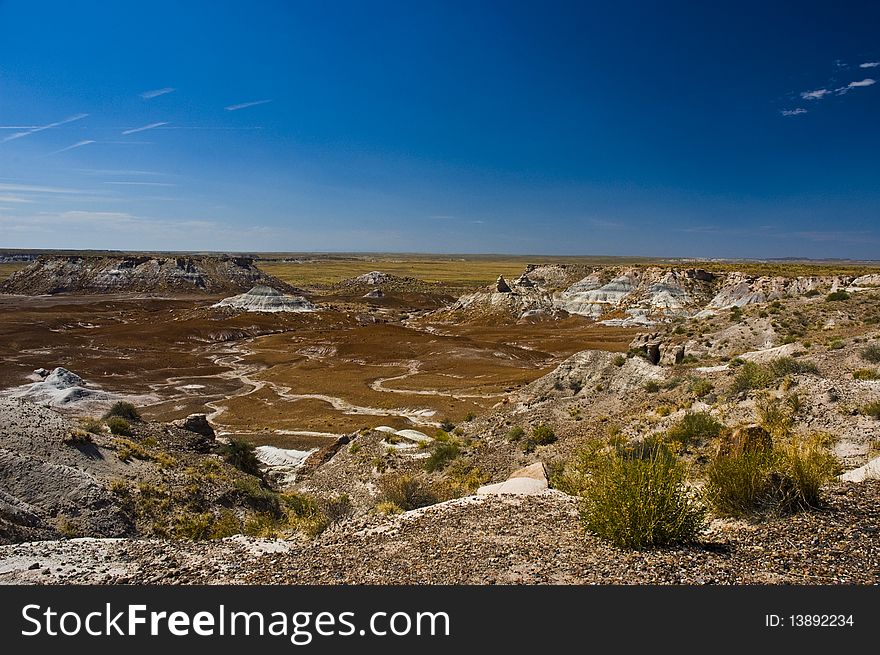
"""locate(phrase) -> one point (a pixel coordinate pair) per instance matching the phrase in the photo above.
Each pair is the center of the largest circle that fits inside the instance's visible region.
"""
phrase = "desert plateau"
(180, 418)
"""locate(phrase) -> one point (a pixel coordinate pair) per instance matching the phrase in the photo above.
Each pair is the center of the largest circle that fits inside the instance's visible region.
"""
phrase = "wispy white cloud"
(793, 112)
(81, 216)
(245, 105)
(842, 90)
(870, 64)
(155, 93)
(78, 144)
(15, 199)
(49, 126)
(29, 188)
(127, 183)
(109, 171)
(151, 126)
(818, 94)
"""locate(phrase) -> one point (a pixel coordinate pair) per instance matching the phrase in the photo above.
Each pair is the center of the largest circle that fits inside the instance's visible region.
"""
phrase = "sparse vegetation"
(695, 427)
(640, 502)
(541, 435)
(405, 491)
(242, 455)
(750, 376)
(515, 433)
(77, 437)
(619, 360)
(123, 410)
(701, 387)
(836, 296)
(871, 409)
(118, 425)
(442, 453)
(871, 353)
(784, 479)
(92, 425)
(866, 374)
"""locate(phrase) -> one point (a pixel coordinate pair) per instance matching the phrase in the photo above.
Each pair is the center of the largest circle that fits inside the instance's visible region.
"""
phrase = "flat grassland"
(7, 269)
(471, 271)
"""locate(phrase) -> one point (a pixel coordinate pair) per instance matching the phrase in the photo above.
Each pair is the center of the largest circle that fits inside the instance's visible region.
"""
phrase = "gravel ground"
(490, 540)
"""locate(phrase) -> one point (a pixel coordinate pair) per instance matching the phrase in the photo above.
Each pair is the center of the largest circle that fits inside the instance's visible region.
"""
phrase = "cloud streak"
(818, 94)
(155, 93)
(48, 126)
(245, 105)
(870, 64)
(78, 144)
(797, 111)
(151, 126)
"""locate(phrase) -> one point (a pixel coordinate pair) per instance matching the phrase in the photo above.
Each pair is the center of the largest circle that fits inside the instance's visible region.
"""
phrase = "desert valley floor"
(424, 420)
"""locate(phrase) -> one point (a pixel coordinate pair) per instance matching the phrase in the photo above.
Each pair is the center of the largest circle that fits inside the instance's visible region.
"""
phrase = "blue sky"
(639, 128)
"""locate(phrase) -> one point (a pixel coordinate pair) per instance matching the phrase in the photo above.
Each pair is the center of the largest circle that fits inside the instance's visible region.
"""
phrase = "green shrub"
(77, 437)
(119, 426)
(866, 374)
(515, 433)
(751, 376)
(124, 410)
(701, 387)
(775, 417)
(541, 436)
(641, 503)
(651, 386)
(812, 293)
(786, 479)
(695, 427)
(92, 425)
(619, 360)
(837, 296)
(242, 455)
(406, 492)
(446, 425)
(470, 416)
(871, 353)
(836, 344)
(871, 409)
(790, 366)
(442, 453)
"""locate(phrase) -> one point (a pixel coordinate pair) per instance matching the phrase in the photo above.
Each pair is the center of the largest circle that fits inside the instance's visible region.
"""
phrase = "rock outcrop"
(138, 274)
(527, 481)
(59, 388)
(262, 298)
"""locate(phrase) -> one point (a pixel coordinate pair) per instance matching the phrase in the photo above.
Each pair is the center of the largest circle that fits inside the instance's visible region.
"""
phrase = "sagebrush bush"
(871, 353)
(695, 427)
(124, 410)
(786, 479)
(442, 453)
(775, 417)
(871, 409)
(119, 426)
(751, 376)
(541, 435)
(406, 492)
(866, 374)
(242, 455)
(701, 387)
(91, 424)
(641, 503)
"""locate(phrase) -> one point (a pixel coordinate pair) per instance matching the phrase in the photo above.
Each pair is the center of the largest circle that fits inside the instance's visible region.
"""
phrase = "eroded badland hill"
(205, 419)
